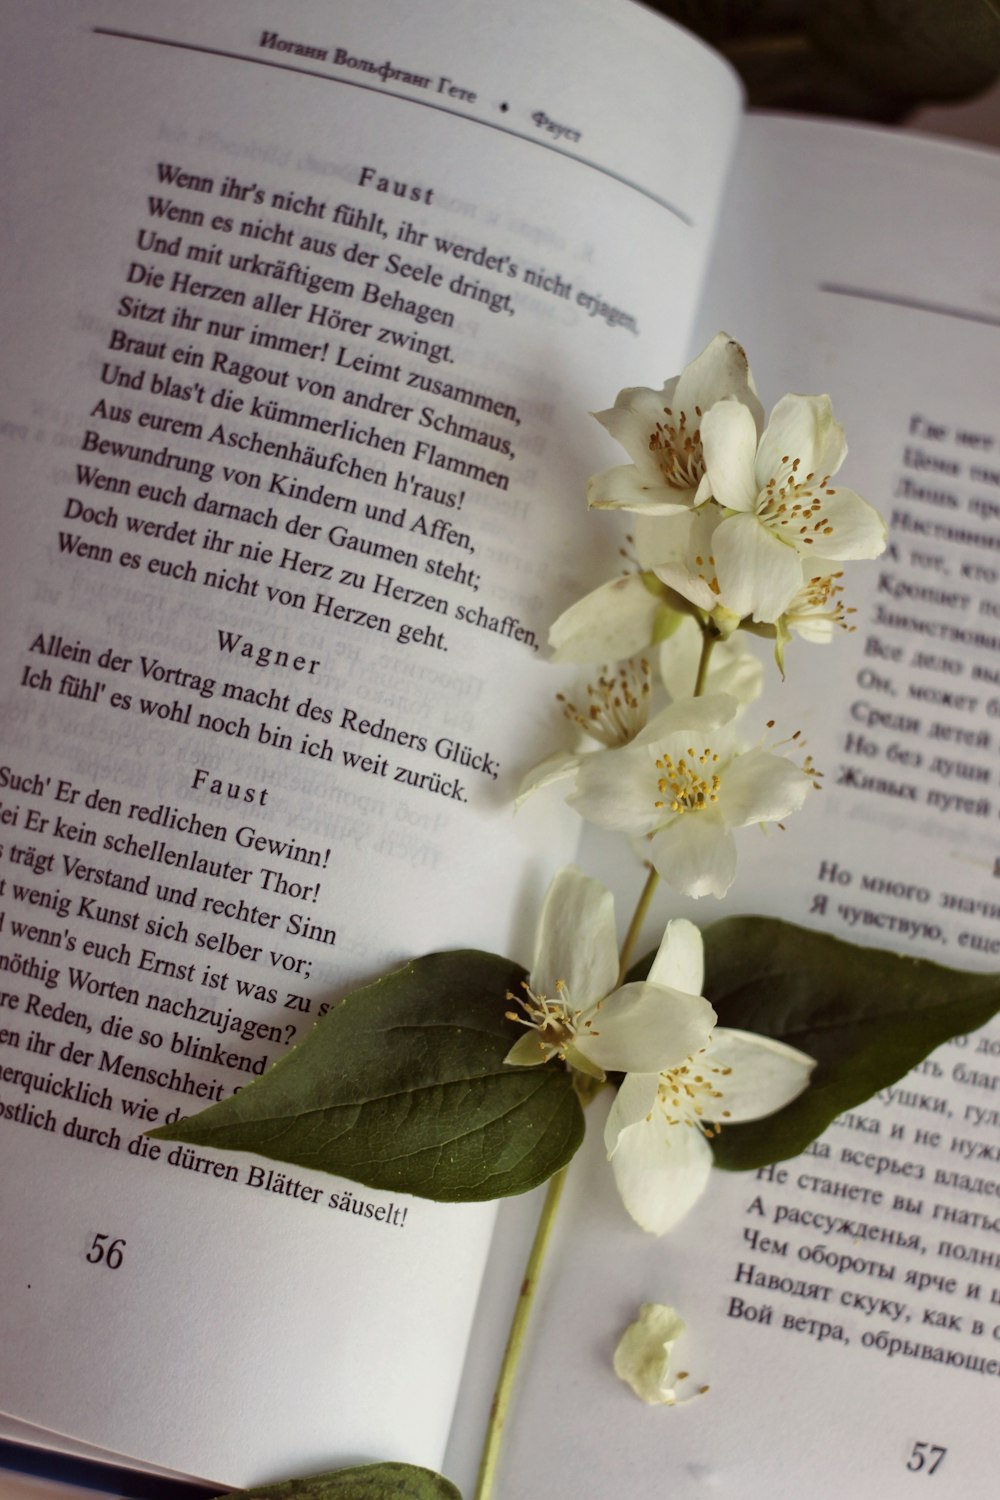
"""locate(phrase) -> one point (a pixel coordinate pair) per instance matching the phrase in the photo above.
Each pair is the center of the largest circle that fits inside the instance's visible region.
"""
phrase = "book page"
(844, 1308)
(303, 312)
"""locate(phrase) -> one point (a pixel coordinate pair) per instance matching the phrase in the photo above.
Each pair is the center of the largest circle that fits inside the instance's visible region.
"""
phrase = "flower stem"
(515, 1339)
(708, 640)
(529, 1285)
(638, 917)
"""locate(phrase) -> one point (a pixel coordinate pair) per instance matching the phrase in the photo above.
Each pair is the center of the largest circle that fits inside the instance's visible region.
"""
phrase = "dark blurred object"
(867, 59)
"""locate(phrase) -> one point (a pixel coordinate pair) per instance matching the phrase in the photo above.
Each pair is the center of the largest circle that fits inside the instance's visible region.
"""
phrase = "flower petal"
(630, 488)
(766, 1074)
(613, 621)
(734, 669)
(660, 726)
(818, 629)
(529, 1051)
(758, 574)
(696, 854)
(801, 427)
(617, 790)
(759, 787)
(632, 1103)
(680, 959)
(703, 715)
(674, 540)
(642, 1358)
(555, 767)
(677, 573)
(857, 529)
(661, 1170)
(582, 1063)
(679, 549)
(645, 1028)
(729, 441)
(577, 942)
(719, 371)
(635, 416)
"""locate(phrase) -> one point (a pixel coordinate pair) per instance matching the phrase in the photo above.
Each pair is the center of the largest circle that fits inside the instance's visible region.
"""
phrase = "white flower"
(644, 1354)
(614, 712)
(784, 512)
(661, 433)
(680, 552)
(571, 1006)
(658, 1128)
(814, 613)
(688, 789)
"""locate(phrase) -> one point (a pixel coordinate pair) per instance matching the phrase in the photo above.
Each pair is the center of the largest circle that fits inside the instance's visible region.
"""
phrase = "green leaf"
(367, 1482)
(403, 1086)
(866, 1015)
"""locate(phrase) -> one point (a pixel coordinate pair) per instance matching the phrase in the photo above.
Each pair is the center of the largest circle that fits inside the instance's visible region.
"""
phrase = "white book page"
(303, 312)
(844, 1308)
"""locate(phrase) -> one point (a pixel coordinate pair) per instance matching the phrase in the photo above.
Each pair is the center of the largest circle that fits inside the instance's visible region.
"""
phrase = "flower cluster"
(573, 1007)
(687, 788)
(739, 519)
(662, 1119)
(684, 778)
(684, 1075)
(736, 526)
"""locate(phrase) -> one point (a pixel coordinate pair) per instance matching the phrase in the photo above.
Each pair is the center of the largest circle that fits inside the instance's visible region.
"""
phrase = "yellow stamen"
(617, 706)
(688, 785)
(678, 451)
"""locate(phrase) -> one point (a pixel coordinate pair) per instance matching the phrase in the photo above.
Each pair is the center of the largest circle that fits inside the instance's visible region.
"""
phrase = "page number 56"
(926, 1456)
(111, 1254)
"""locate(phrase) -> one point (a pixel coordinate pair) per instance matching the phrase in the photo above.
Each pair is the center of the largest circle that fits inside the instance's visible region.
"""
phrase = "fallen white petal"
(642, 1358)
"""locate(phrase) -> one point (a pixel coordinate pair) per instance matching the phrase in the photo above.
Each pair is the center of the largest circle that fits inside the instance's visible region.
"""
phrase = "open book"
(304, 308)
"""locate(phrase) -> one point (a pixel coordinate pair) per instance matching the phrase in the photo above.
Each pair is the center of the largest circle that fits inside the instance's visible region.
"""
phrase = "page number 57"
(926, 1457)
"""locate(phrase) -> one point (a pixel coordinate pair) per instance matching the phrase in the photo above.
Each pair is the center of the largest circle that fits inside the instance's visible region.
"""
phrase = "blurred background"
(887, 61)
